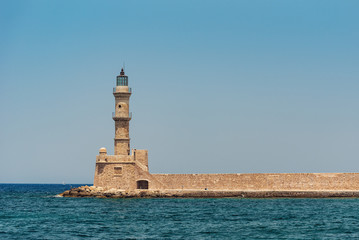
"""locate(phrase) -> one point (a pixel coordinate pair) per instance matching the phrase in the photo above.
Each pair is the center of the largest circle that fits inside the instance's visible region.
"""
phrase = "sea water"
(32, 211)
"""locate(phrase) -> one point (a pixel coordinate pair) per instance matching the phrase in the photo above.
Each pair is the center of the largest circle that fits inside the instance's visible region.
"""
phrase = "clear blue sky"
(218, 86)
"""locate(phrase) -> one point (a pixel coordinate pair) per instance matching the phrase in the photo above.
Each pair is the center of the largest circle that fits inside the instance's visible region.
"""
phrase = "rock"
(111, 191)
(98, 192)
(66, 192)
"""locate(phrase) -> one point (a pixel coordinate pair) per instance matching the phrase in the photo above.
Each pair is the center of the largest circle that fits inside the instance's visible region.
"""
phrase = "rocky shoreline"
(98, 192)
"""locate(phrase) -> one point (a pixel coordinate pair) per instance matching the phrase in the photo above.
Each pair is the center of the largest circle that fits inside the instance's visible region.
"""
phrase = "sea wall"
(260, 181)
(99, 192)
(130, 172)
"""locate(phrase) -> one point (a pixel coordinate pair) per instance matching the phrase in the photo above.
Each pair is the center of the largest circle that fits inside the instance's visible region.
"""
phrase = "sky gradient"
(218, 86)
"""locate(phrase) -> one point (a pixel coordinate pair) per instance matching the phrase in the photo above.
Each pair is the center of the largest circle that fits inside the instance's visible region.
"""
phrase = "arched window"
(142, 184)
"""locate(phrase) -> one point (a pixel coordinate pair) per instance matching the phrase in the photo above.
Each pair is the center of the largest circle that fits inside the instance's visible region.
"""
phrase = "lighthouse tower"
(122, 116)
(126, 169)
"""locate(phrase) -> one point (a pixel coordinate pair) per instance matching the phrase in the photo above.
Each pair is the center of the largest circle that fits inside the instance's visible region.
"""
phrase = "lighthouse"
(122, 115)
(126, 169)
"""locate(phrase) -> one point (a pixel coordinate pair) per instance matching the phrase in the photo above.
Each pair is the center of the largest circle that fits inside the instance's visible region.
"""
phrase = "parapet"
(122, 90)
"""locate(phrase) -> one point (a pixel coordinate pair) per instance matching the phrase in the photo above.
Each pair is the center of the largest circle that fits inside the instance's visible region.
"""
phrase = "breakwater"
(98, 192)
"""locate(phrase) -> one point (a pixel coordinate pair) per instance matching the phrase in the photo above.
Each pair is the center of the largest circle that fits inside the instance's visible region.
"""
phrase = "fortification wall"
(115, 175)
(123, 171)
(115, 171)
(261, 181)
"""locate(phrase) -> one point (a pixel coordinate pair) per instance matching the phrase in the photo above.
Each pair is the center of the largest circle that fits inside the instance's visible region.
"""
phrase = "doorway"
(142, 184)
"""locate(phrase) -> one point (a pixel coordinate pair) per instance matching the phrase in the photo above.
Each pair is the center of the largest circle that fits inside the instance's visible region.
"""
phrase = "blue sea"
(32, 211)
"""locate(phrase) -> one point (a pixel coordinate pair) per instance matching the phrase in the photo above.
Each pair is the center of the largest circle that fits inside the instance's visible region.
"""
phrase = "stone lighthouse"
(126, 169)
(122, 116)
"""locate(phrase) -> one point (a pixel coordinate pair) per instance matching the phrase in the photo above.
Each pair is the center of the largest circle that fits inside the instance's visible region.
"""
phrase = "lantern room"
(122, 79)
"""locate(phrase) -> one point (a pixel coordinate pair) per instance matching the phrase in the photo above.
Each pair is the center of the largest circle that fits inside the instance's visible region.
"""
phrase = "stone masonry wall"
(105, 175)
(264, 181)
(142, 157)
(115, 171)
(123, 172)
